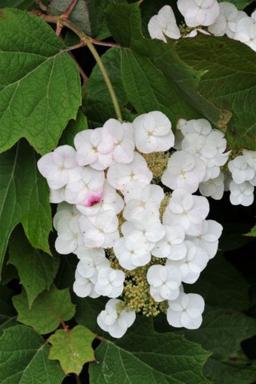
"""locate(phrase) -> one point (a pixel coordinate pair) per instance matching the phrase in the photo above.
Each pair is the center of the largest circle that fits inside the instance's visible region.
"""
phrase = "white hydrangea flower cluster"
(242, 181)
(205, 16)
(128, 211)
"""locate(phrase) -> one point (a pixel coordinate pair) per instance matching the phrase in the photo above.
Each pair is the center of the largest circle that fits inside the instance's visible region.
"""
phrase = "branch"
(65, 16)
(88, 41)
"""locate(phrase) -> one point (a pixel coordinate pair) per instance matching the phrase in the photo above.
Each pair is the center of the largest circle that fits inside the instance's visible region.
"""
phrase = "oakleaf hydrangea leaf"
(24, 198)
(73, 348)
(144, 356)
(224, 61)
(47, 311)
(223, 331)
(40, 86)
(36, 269)
(24, 358)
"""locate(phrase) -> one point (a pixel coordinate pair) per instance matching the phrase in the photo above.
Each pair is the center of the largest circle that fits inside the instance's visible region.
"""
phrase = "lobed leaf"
(73, 348)
(48, 310)
(24, 198)
(24, 358)
(39, 82)
(36, 269)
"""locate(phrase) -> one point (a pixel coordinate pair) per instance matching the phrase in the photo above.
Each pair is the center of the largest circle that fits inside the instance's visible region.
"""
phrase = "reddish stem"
(69, 9)
(64, 326)
(104, 43)
(65, 16)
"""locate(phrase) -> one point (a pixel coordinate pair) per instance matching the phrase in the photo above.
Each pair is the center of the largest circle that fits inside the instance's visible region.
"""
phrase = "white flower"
(84, 253)
(133, 250)
(94, 147)
(100, 230)
(240, 169)
(200, 126)
(110, 282)
(88, 190)
(164, 282)
(186, 311)
(184, 171)
(110, 200)
(186, 210)
(57, 195)
(213, 188)
(115, 320)
(84, 287)
(241, 193)
(66, 223)
(209, 148)
(192, 265)
(208, 237)
(172, 246)
(227, 20)
(250, 157)
(59, 167)
(152, 230)
(195, 32)
(91, 261)
(246, 32)
(199, 12)
(119, 175)
(123, 143)
(153, 132)
(147, 200)
(163, 24)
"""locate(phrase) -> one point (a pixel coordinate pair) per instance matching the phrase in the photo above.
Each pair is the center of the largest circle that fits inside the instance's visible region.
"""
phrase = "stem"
(107, 80)
(65, 16)
(88, 41)
(78, 381)
(104, 43)
(69, 9)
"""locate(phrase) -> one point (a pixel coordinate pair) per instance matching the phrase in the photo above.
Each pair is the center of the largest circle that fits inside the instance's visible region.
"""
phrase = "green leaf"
(228, 373)
(73, 127)
(40, 85)
(223, 61)
(252, 232)
(241, 4)
(222, 285)
(24, 198)
(36, 270)
(183, 80)
(148, 89)
(24, 358)
(73, 348)
(23, 4)
(47, 311)
(144, 356)
(124, 32)
(223, 331)
(66, 272)
(97, 101)
(7, 312)
(87, 312)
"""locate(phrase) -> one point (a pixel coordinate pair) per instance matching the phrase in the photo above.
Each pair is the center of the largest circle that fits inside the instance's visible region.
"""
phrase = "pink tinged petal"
(93, 199)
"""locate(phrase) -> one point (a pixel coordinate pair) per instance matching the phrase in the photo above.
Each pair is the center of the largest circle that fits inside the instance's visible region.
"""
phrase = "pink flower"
(93, 199)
